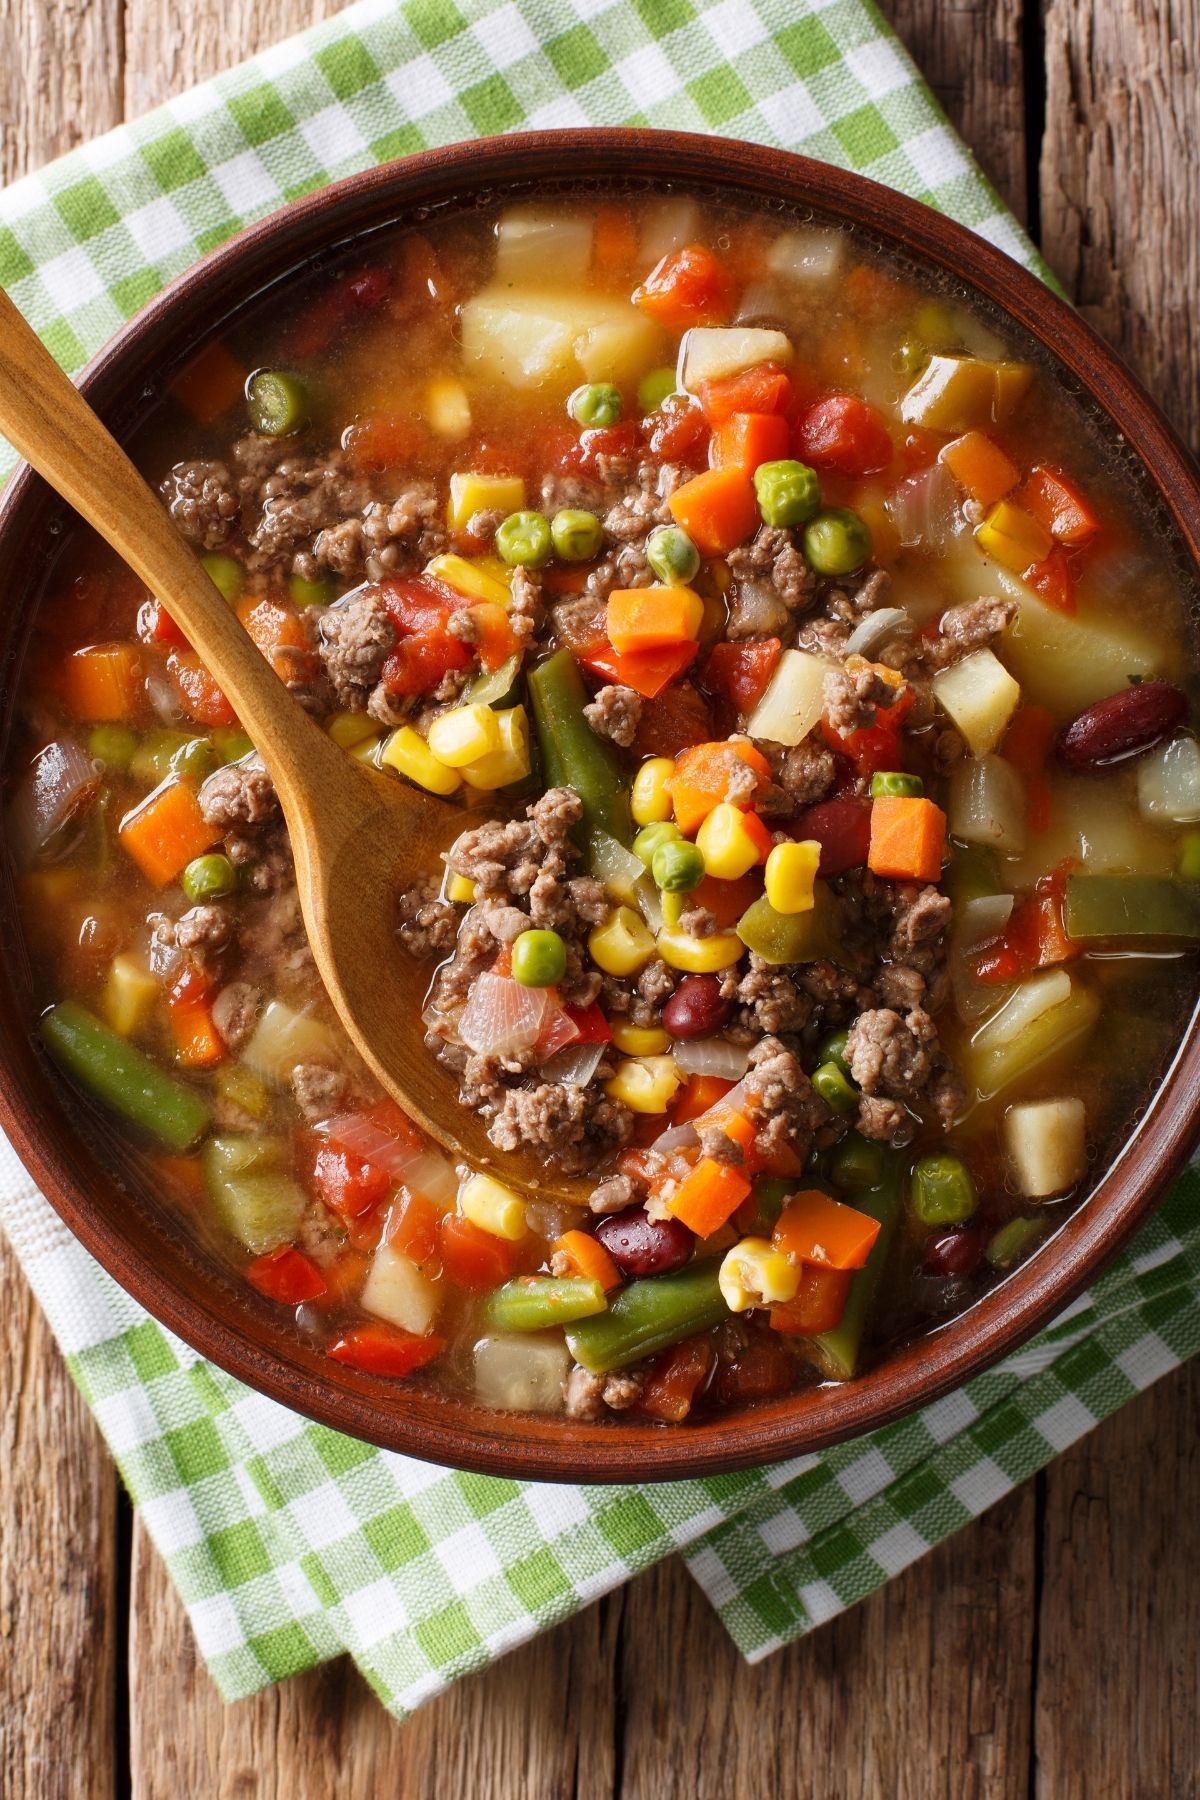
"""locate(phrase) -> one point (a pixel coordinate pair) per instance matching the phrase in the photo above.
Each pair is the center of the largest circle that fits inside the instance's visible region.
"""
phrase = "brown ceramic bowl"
(139, 1242)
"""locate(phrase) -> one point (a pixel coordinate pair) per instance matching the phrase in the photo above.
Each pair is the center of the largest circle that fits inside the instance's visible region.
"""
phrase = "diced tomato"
(590, 1024)
(420, 609)
(287, 1275)
(843, 830)
(699, 1094)
(473, 1258)
(202, 698)
(413, 1226)
(920, 450)
(739, 673)
(583, 456)
(679, 432)
(348, 1185)
(843, 432)
(360, 294)
(1058, 505)
(156, 626)
(1054, 579)
(873, 748)
(819, 1303)
(728, 900)
(1034, 938)
(674, 1378)
(385, 1350)
(383, 441)
(679, 718)
(690, 286)
(764, 389)
(647, 672)
(189, 1008)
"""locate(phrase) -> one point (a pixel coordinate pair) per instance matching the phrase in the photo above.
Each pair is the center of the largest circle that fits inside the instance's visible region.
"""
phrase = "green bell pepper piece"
(1132, 906)
(793, 937)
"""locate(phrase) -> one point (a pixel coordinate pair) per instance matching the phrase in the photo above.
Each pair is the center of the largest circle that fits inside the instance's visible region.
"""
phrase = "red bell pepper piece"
(647, 672)
(385, 1350)
(286, 1275)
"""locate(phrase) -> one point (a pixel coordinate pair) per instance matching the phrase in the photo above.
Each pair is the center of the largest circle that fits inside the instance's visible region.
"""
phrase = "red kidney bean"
(696, 1008)
(1125, 724)
(643, 1246)
(955, 1252)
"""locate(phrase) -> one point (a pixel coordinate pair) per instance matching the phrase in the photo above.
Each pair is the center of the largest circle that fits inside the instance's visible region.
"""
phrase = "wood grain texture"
(170, 48)
(61, 76)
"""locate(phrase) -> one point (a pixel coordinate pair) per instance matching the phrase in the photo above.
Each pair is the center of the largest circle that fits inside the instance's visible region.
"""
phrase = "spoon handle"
(52, 426)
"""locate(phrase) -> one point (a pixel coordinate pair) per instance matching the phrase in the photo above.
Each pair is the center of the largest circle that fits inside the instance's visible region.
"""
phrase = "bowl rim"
(448, 1429)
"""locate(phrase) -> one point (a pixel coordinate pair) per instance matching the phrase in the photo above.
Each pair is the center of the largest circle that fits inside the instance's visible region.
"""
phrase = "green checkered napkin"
(288, 1542)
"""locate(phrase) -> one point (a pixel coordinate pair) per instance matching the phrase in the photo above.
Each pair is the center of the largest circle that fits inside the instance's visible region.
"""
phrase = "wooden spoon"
(357, 835)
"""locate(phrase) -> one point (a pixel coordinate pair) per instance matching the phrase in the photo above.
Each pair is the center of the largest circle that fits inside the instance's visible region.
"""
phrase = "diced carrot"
(614, 242)
(589, 1259)
(104, 682)
(345, 1275)
(198, 1042)
(819, 1303)
(746, 439)
(698, 1095)
(702, 779)
(202, 699)
(981, 467)
(647, 672)
(183, 1176)
(908, 839)
(166, 832)
(673, 1380)
(211, 384)
(709, 1196)
(872, 290)
(570, 580)
(813, 1228)
(717, 509)
(1058, 505)
(653, 618)
(690, 286)
(270, 621)
(764, 389)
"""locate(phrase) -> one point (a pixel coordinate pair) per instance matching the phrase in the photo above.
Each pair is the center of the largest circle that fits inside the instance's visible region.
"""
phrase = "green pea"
(654, 388)
(523, 539)
(856, 1164)
(943, 1192)
(1013, 1241)
(1189, 855)
(539, 959)
(672, 555)
(209, 877)
(576, 536)
(650, 837)
(836, 542)
(788, 492)
(113, 745)
(894, 784)
(225, 573)
(231, 743)
(677, 866)
(276, 402)
(195, 759)
(595, 403)
(311, 593)
(837, 1093)
(833, 1050)
(152, 761)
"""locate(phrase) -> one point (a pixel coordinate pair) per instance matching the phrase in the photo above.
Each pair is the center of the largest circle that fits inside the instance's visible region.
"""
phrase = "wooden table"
(1049, 1648)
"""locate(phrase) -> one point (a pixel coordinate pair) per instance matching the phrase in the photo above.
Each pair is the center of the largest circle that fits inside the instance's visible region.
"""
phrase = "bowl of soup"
(796, 604)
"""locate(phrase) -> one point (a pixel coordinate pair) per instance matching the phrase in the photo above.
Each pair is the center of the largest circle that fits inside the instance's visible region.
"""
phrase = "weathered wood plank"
(60, 78)
(169, 48)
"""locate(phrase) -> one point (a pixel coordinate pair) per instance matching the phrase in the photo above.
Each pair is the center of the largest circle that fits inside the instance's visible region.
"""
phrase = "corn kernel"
(471, 579)
(448, 407)
(639, 1040)
(1013, 536)
(408, 753)
(699, 956)
(754, 1273)
(464, 735)
(129, 995)
(510, 763)
(460, 890)
(651, 800)
(621, 946)
(790, 876)
(729, 846)
(494, 1208)
(350, 728)
(645, 1084)
(482, 493)
(367, 749)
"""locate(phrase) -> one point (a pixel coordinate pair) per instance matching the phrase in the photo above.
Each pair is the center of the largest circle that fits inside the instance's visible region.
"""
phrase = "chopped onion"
(407, 1159)
(1168, 783)
(675, 1137)
(502, 1017)
(558, 1030)
(60, 781)
(925, 509)
(712, 1056)
(649, 903)
(164, 697)
(615, 867)
(875, 628)
(762, 303)
(976, 921)
(284, 1037)
(987, 804)
(575, 1065)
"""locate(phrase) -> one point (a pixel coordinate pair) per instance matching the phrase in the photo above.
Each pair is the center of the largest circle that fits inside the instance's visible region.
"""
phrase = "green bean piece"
(231, 743)
(649, 1315)
(833, 1050)
(539, 959)
(672, 555)
(576, 535)
(943, 1192)
(117, 1073)
(677, 866)
(596, 403)
(311, 593)
(838, 1351)
(894, 784)
(194, 760)
(1132, 906)
(654, 388)
(113, 745)
(1189, 855)
(276, 402)
(768, 1197)
(839, 1095)
(788, 492)
(1013, 1241)
(225, 573)
(572, 755)
(650, 837)
(856, 1164)
(151, 760)
(537, 1302)
(836, 542)
(523, 540)
(209, 877)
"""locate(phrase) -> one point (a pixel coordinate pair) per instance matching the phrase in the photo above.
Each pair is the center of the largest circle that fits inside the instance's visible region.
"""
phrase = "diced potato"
(1168, 783)
(987, 804)
(129, 995)
(510, 763)
(448, 407)
(980, 697)
(538, 339)
(793, 700)
(809, 256)
(619, 349)
(1099, 831)
(536, 243)
(1026, 1032)
(471, 493)
(396, 1290)
(961, 393)
(469, 576)
(667, 225)
(524, 1373)
(1047, 1144)
(284, 1037)
(1068, 661)
(711, 352)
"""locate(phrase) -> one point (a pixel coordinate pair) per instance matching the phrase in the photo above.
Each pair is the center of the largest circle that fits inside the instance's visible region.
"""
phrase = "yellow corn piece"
(754, 1273)
(725, 842)
(448, 407)
(639, 1040)
(129, 995)
(645, 1084)
(651, 799)
(790, 875)
(494, 1208)
(482, 493)
(350, 728)
(1013, 536)
(510, 763)
(464, 735)
(407, 752)
(460, 890)
(699, 956)
(622, 945)
(367, 749)
(474, 580)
